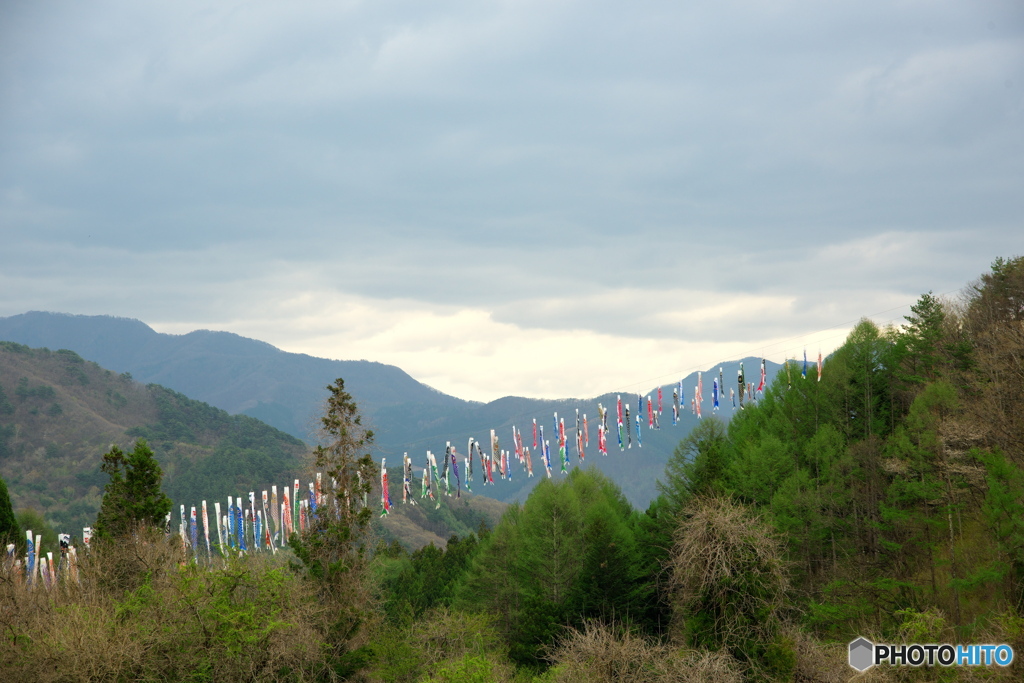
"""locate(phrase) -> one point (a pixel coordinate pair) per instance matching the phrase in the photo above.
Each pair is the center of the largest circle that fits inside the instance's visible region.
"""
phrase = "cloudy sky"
(538, 197)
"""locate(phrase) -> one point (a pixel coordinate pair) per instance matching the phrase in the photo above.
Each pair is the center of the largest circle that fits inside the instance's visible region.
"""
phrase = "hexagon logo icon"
(862, 654)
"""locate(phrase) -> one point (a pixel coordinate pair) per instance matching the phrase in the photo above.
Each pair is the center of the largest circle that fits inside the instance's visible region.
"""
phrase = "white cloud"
(465, 352)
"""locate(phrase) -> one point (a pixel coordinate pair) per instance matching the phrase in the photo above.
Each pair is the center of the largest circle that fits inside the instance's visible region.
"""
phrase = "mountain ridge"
(286, 390)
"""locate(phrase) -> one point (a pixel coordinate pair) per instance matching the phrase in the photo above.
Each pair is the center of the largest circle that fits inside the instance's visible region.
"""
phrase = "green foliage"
(245, 620)
(42, 392)
(1003, 510)
(10, 530)
(440, 645)
(759, 469)
(240, 610)
(15, 347)
(73, 366)
(411, 585)
(929, 626)
(697, 465)
(133, 496)
(653, 536)
(567, 555)
(999, 294)
(6, 407)
(779, 659)
(30, 519)
(469, 669)
(923, 341)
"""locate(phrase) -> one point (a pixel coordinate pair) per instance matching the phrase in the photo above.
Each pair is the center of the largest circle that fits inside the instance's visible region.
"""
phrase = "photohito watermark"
(864, 654)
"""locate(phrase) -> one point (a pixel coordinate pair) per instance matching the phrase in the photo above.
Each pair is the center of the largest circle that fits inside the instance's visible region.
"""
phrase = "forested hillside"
(896, 481)
(886, 500)
(60, 413)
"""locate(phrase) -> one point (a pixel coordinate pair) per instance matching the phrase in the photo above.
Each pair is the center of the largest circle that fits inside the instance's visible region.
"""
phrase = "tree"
(993, 319)
(567, 555)
(923, 336)
(999, 295)
(730, 582)
(759, 468)
(10, 530)
(30, 519)
(332, 551)
(133, 495)
(1003, 510)
(697, 466)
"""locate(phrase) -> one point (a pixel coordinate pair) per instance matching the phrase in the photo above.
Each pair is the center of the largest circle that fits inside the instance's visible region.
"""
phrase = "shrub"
(600, 653)
(728, 581)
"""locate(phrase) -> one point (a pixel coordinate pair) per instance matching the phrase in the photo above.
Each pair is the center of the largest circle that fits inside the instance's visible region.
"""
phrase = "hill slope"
(415, 526)
(60, 413)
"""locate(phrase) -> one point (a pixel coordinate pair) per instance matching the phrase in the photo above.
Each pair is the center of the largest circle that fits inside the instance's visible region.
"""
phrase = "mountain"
(239, 375)
(60, 413)
(287, 390)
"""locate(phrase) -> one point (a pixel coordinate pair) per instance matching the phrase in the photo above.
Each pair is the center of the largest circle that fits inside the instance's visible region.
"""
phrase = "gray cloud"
(561, 165)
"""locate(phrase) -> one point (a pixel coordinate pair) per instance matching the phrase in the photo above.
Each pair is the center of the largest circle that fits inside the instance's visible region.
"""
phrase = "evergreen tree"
(999, 295)
(10, 530)
(923, 336)
(567, 555)
(332, 551)
(133, 495)
(759, 469)
(1003, 510)
(697, 466)
(494, 579)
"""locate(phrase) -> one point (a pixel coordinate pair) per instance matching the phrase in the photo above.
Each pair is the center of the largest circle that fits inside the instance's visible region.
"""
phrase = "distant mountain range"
(60, 413)
(239, 375)
(287, 390)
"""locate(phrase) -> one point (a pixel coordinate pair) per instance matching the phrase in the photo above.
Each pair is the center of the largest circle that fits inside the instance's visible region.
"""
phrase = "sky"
(547, 198)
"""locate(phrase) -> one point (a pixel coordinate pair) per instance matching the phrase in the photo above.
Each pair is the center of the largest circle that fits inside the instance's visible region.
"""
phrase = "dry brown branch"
(727, 564)
(599, 653)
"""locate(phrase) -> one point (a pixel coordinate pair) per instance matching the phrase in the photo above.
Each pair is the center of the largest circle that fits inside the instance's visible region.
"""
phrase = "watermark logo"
(864, 654)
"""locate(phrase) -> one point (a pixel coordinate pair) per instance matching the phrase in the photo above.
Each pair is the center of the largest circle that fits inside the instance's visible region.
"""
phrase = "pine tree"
(923, 338)
(133, 495)
(10, 530)
(1003, 510)
(333, 552)
(698, 465)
